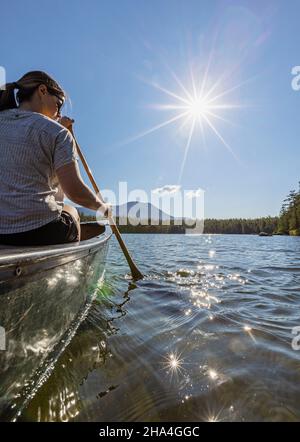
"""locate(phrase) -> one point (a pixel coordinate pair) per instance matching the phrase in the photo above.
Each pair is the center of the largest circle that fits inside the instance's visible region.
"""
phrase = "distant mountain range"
(133, 209)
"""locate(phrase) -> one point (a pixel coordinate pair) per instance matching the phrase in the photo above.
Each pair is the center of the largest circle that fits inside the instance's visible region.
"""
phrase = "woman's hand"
(66, 122)
(107, 210)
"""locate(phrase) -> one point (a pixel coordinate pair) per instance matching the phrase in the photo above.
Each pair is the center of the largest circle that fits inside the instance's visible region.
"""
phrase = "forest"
(222, 226)
(288, 222)
(289, 219)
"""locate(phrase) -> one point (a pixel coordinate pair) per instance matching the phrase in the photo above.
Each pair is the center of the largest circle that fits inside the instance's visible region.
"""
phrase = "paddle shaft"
(136, 274)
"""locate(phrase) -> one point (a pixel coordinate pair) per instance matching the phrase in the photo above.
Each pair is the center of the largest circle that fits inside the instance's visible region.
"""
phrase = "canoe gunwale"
(15, 268)
(36, 252)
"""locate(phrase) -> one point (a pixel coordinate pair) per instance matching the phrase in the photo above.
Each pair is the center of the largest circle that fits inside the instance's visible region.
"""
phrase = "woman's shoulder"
(46, 125)
(33, 119)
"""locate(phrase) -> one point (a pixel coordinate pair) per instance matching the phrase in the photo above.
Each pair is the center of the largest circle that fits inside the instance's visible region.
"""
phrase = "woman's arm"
(76, 190)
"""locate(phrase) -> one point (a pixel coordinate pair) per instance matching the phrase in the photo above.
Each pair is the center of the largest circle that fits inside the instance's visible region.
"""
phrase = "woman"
(38, 165)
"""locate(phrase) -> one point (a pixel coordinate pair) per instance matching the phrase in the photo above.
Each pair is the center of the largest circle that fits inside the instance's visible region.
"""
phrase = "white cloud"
(165, 190)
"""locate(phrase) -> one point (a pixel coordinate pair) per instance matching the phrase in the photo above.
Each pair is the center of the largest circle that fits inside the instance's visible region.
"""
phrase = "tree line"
(241, 226)
(214, 226)
(289, 220)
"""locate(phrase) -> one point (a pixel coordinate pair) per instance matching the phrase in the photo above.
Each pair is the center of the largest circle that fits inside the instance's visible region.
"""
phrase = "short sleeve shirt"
(32, 148)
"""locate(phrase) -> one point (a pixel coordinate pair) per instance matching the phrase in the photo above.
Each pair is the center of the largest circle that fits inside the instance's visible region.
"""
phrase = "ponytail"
(7, 96)
(26, 86)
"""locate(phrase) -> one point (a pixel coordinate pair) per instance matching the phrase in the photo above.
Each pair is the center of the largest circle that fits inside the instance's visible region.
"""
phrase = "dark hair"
(26, 87)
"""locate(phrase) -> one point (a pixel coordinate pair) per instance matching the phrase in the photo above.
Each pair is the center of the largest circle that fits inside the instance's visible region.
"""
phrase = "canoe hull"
(40, 310)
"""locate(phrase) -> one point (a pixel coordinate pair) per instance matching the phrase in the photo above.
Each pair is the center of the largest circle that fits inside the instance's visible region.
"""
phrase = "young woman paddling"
(38, 165)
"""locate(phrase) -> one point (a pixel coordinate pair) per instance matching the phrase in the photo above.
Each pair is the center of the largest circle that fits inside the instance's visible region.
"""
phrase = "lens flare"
(173, 364)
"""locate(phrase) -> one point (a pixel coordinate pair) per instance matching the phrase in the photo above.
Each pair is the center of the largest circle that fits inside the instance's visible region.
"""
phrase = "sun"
(198, 108)
(195, 106)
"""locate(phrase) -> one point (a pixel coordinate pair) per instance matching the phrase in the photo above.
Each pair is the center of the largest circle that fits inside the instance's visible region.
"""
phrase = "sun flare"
(196, 108)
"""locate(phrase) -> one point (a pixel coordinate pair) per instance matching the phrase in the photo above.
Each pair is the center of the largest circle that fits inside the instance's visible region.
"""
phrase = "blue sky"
(109, 55)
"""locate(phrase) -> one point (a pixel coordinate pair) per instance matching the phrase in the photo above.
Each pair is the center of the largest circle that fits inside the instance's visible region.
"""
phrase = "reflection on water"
(206, 336)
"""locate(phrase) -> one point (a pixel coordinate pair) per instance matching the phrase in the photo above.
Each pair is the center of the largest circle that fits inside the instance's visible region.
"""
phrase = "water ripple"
(206, 336)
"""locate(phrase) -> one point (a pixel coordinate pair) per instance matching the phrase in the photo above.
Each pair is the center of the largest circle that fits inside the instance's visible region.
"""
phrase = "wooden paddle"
(136, 274)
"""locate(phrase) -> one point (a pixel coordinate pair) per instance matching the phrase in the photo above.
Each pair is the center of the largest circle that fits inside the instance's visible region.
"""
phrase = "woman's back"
(38, 162)
(32, 147)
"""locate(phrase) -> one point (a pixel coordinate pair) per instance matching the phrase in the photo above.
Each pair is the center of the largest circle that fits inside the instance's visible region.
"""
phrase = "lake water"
(206, 336)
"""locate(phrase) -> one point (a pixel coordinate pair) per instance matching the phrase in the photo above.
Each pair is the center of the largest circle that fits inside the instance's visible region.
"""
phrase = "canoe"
(45, 293)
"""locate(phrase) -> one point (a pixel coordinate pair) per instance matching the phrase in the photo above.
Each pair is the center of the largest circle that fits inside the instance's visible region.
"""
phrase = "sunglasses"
(59, 97)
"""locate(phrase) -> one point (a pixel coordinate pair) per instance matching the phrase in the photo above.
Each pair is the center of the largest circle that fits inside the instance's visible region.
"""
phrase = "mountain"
(133, 209)
(144, 211)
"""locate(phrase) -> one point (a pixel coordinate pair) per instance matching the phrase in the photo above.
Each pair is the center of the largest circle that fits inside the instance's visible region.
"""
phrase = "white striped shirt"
(32, 148)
